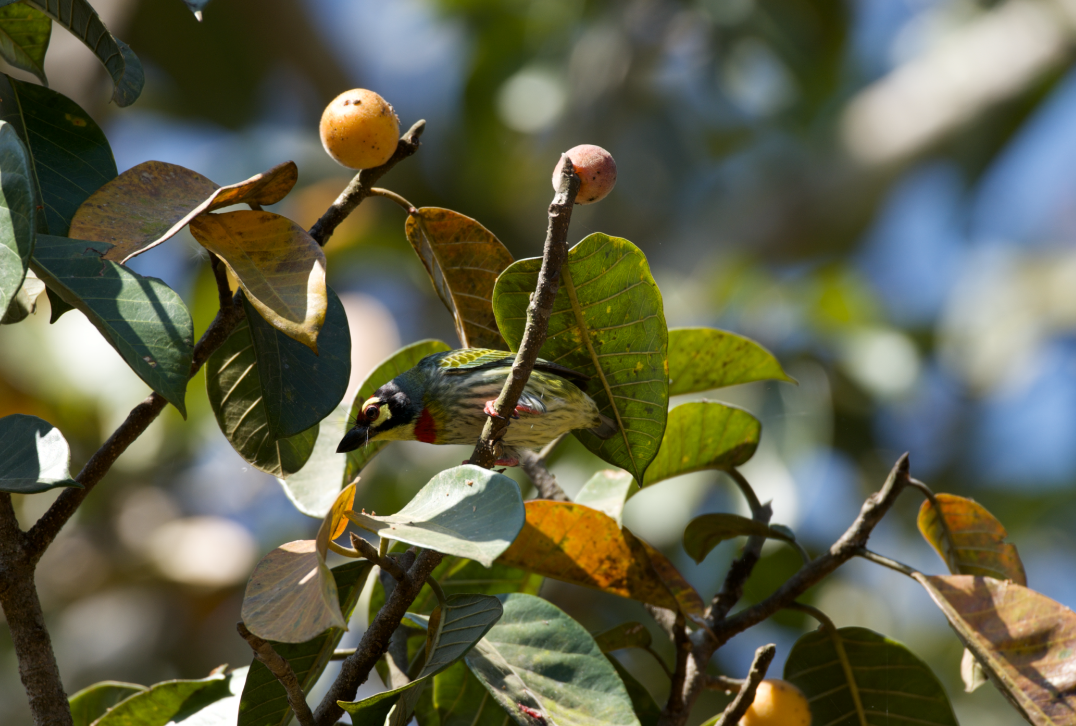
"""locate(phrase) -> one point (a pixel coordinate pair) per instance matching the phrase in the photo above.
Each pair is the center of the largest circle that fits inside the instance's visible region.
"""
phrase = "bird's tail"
(606, 429)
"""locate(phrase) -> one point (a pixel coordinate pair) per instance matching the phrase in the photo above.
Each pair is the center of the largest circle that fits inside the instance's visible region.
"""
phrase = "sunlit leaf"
(607, 491)
(223, 711)
(979, 538)
(704, 435)
(573, 543)
(625, 635)
(279, 266)
(707, 531)
(17, 200)
(466, 511)
(536, 657)
(79, 17)
(857, 676)
(25, 302)
(463, 259)
(1024, 640)
(92, 701)
(151, 202)
(291, 596)
(24, 38)
(70, 155)
(141, 317)
(34, 456)
(701, 359)
(607, 323)
(167, 702)
(264, 701)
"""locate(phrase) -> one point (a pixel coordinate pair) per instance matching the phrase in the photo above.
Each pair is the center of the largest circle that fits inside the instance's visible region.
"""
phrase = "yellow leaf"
(279, 266)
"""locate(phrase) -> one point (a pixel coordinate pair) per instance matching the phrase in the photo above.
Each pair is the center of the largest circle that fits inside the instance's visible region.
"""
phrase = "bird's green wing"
(469, 360)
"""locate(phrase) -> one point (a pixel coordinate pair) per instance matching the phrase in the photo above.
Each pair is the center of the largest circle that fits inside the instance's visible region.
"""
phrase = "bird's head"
(388, 414)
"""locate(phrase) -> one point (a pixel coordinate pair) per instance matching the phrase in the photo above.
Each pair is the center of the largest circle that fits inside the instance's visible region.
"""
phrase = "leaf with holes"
(141, 317)
(857, 676)
(978, 536)
(1023, 639)
(291, 596)
(707, 531)
(573, 543)
(17, 201)
(607, 491)
(149, 203)
(607, 323)
(701, 359)
(466, 511)
(24, 38)
(91, 702)
(264, 701)
(463, 259)
(704, 435)
(79, 17)
(34, 456)
(279, 266)
(69, 153)
(538, 658)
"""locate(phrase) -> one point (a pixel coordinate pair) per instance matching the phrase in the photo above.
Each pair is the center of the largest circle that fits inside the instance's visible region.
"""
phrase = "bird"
(447, 397)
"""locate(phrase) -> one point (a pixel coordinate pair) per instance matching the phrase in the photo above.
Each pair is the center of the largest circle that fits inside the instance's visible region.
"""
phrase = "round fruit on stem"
(596, 170)
(359, 129)
(777, 703)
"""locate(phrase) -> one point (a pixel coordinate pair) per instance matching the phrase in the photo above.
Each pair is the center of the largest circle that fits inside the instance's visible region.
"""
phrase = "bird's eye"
(371, 413)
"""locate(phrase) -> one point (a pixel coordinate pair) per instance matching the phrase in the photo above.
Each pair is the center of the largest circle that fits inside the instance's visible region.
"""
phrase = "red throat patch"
(425, 428)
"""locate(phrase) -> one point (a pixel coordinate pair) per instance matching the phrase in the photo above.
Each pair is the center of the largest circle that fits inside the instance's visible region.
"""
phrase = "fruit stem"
(388, 194)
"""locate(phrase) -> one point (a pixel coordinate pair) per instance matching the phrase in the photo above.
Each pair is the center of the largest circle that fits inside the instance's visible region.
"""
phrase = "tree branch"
(740, 570)
(538, 312)
(735, 710)
(375, 642)
(543, 479)
(361, 186)
(280, 668)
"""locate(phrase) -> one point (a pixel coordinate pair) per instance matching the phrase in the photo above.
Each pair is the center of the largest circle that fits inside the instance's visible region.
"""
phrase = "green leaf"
(92, 701)
(646, 708)
(314, 487)
(858, 676)
(458, 575)
(57, 305)
(119, 60)
(607, 323)
(25, 302)
(237, 388)
(466, 511)
(167, 702)
(70, 155)
(707, 531)
(17, 200)
(538, 657)
(701, 359)
(704, 435)
(463, 259)
(300, 387)
(374, 710)
(264, 701)
(34, 456)
(24, 38)
(625, 635)
(607, 491)
(141, 317)
(223, 711)
(457, 698)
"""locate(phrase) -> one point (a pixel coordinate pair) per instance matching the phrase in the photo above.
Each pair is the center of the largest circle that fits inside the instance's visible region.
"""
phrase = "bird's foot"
(492, 412)
(506, 462)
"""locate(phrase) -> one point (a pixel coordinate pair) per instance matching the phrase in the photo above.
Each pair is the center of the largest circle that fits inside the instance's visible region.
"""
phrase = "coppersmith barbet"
(447, 397)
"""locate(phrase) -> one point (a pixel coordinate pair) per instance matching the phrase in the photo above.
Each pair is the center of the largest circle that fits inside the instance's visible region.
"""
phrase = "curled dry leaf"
(279, 266)
(149, 203)
(574, 543)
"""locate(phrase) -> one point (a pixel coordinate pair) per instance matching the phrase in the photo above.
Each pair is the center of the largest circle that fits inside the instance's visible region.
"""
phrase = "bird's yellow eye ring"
(371, 413)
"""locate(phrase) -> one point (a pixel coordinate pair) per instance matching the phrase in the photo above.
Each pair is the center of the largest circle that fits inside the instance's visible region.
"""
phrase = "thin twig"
(676, 704)
(280, 668)
(735, 710)
(375, 641)
(723, 684)
(538, 312)
(370, 552)
(886, 562)
(361, 184)
(543, 479)
(389, 194)
(741, 568)
(220, 274)
(342, 653)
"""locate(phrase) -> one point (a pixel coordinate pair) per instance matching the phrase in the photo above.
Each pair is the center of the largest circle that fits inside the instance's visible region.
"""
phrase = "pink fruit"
(596, 170)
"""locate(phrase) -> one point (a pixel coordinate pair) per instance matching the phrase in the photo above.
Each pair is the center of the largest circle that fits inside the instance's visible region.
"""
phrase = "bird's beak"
(353, 439)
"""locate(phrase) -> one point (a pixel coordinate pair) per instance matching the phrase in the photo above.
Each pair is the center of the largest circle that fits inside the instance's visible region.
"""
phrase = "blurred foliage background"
(880, 192)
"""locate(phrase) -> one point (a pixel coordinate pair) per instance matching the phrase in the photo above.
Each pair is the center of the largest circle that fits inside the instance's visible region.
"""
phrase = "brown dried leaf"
(279, 266)
(1024, 640)
(149, 203)
(463, 259)
(978, 536)
(574, 543)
